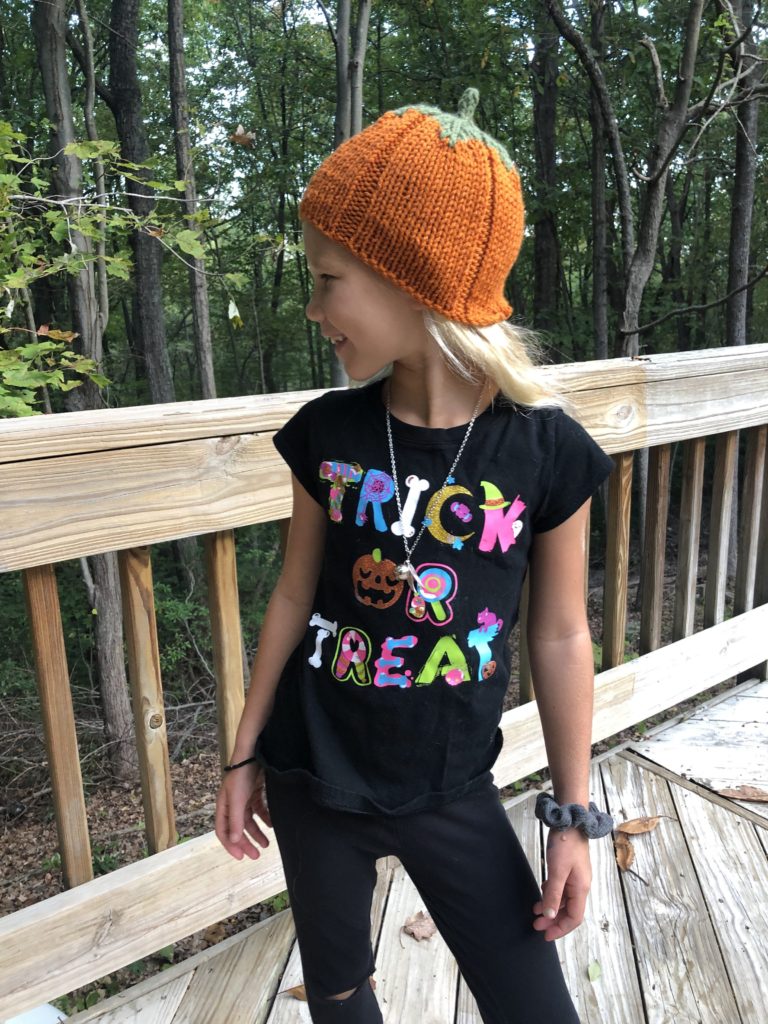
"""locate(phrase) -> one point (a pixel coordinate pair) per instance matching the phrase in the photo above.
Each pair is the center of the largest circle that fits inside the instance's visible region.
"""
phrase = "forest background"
(152, 157)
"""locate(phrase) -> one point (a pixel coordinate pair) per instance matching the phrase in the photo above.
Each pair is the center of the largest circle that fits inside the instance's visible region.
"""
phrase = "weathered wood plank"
(147, 696)
(654, 550)
(418, 986)
(44, 616)
(154, 1006)
(731, 868)
(239, 985)
(677, 953)
(632, 692)
(625, 403)
(226, 635)
(751, 499)
(688, 538)
(86, 504)
(74, 937)
(604, 937)
(726, 450)
(617, 561)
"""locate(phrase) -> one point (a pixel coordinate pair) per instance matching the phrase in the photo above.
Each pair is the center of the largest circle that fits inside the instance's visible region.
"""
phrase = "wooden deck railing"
(121, 480)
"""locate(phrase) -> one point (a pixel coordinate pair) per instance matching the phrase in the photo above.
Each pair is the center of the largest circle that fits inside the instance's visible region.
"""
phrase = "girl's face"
(370, 322)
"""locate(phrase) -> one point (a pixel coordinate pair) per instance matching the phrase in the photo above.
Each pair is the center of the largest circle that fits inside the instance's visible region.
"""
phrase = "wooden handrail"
(79, 484)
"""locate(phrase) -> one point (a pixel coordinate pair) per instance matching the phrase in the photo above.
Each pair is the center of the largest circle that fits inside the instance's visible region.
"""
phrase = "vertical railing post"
(726, 450)
(44, 613)
(147, 694)
(688, 537)
(224, 606)
(617, 561)
(654, 548)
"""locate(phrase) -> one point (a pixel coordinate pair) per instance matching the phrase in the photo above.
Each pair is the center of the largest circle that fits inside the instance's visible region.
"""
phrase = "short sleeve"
(293, 442)
(578, 465)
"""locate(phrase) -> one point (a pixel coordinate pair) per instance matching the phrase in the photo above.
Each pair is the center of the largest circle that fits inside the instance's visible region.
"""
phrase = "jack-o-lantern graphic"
(375, 582)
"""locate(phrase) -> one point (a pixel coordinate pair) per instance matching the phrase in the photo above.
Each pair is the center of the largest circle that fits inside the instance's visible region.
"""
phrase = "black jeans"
(472, 874)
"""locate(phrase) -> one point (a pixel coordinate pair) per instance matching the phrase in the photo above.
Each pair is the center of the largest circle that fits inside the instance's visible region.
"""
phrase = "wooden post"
(617, 561)
(654, 548)
(751, 500)
(761, 569)
(42, 601)
(720, 527)
(147, 694)
(688, 539)
(224, 605)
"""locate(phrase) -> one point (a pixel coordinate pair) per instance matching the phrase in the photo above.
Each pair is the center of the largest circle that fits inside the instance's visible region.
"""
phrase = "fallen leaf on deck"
(625, 852)
(594, 971)
(420, 926)
(745, 793)
(639, 825)
(298, 992)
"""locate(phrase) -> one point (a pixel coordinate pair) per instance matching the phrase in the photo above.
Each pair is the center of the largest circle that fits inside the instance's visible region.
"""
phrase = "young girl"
(419, 503)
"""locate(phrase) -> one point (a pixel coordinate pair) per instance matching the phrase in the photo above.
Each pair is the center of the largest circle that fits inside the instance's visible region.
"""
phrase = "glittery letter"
(352, 653)
(388, 660)
(434, 508)
(377, 488)
(415, 487)
(324, 630)
(340, 474)
(446, 659)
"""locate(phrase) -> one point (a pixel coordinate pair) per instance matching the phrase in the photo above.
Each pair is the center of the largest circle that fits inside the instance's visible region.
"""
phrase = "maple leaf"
(241, 137)
(625, 851)
(636, 826)
(420, 926)
(745, 793)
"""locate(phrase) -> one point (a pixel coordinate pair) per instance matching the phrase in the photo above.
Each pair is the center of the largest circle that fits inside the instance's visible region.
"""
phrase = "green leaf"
(180, 184)
(89, 149)
(189, 242)
(594, 971)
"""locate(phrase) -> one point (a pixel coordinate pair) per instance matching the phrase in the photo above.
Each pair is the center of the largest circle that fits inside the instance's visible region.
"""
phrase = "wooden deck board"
(721, 746)
(681, 969)
(685, 947)
(604, 937)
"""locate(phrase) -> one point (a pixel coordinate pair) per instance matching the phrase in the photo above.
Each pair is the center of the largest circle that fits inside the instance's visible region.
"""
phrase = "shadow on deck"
(680, 937)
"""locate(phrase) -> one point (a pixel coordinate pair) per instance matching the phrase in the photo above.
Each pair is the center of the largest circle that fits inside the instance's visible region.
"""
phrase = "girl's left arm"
(560, 651)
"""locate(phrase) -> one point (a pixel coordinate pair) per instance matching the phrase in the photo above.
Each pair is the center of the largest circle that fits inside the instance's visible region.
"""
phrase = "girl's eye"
(327, 277)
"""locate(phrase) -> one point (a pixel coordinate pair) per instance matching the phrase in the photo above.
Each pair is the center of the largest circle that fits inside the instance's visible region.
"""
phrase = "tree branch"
(328, 21)
(648, 44)
(682, 311)
(74, 44)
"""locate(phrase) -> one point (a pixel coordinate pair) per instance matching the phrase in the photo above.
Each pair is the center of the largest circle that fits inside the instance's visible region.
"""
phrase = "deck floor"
(680, 938)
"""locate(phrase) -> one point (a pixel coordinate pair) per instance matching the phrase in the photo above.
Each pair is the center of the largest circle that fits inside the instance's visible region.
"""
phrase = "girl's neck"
(432, 396)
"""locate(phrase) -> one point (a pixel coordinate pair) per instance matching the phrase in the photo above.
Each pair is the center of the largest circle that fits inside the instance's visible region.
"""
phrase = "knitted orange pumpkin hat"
(429, 201)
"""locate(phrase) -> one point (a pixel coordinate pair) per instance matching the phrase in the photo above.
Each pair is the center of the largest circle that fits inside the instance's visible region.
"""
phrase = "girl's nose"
(313, 311)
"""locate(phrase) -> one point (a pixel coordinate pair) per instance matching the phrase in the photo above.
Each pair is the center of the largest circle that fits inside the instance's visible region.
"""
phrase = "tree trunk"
(546, 256)
(599, 213)
(148, 314)
(49, 27)
(198, 282)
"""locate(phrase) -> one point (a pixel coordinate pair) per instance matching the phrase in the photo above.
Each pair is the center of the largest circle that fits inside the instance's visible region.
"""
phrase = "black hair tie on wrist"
(594, 823)
(231, 767)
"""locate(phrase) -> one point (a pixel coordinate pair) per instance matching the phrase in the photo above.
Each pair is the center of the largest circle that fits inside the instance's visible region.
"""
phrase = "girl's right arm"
(285, 623)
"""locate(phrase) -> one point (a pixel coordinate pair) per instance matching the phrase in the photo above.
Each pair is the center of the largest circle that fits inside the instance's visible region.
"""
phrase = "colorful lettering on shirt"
(378, 487)
(438, 586)
(480, 640)
(340, 474)
(447, 659)
(324, 630)
(432, 517)
(353, 651)
(388, 660)
(416, 486)
(501, 526)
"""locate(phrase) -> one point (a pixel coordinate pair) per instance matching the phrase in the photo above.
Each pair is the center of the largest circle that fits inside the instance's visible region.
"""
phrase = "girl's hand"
(242, 797)
(569, 876)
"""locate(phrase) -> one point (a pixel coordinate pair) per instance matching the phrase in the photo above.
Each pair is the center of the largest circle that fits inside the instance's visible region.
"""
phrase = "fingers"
(236, 829)
(559, 912)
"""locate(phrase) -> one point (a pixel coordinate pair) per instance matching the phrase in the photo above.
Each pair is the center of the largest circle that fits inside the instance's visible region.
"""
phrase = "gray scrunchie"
(594, 823)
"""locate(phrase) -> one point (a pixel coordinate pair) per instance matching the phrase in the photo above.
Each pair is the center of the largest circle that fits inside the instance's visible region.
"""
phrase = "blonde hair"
(502, 353)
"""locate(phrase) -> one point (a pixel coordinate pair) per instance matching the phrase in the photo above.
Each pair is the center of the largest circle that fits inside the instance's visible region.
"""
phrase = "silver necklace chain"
(406, 571)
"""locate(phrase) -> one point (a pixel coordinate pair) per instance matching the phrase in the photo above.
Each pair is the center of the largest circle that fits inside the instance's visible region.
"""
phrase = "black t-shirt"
(392, 704)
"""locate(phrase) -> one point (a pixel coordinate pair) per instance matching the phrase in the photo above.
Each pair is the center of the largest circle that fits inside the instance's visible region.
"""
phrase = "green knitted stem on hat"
(461, 127)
